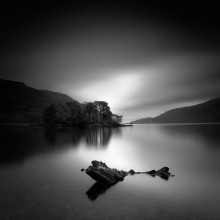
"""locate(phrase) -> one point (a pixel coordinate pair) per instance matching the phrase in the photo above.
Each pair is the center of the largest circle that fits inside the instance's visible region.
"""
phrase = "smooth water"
(41, 178)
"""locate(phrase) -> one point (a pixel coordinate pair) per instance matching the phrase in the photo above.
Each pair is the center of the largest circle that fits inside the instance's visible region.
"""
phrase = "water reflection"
(100, 136)
(51, 186)
(63, 136)
(96, 190)
(208, 133)
(19, 143)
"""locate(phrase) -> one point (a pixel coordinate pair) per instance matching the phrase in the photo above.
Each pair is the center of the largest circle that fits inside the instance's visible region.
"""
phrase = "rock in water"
(100, 172)
(152, 173)
(164, 173)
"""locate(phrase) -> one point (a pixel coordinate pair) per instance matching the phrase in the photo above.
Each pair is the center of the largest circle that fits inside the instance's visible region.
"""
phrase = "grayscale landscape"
(110, 110)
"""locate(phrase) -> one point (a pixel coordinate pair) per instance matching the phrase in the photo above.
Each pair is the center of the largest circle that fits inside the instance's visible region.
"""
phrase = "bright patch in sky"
(115, 89)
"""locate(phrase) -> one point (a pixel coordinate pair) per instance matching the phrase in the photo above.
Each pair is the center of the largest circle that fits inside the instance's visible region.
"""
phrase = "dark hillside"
(207, 112)
(21, 103)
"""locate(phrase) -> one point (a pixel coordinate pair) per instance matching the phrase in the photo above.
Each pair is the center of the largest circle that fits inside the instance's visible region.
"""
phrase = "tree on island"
(91, 111)
(104, 110)
(76, 114)
(49, 115)
(117, 118)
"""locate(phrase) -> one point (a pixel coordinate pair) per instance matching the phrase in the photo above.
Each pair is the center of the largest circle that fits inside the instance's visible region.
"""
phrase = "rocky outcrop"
(164, 173)
(100, 172)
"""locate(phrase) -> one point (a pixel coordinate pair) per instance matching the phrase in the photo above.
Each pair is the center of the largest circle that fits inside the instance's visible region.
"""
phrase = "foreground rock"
(100, 172)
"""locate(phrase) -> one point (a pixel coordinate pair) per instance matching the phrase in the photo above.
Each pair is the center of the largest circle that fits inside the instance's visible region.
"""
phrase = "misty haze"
(110, 110)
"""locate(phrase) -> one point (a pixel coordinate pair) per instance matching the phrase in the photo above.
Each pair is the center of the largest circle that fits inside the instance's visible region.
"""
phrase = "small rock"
(152, 172)
(163, 173)
(82, 169)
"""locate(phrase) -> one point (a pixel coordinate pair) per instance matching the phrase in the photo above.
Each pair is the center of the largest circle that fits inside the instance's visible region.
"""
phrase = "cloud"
(176, 82)
(142, 62)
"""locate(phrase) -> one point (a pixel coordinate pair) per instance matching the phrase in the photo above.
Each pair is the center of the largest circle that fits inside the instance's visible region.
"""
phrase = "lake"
(41, 178)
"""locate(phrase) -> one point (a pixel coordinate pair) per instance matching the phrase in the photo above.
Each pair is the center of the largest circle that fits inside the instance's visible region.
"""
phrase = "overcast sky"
(141, 59)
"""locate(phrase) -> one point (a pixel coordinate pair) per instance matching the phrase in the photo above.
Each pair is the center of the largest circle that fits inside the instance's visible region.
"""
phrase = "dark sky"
(143, 59)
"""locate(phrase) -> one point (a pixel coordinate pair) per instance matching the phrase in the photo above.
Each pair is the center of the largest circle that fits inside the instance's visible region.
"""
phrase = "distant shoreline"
(122, 125)
(24, 124)
(188, 123)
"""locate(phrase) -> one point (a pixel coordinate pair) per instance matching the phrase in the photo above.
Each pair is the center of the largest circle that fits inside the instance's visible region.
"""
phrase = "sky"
(143, 59)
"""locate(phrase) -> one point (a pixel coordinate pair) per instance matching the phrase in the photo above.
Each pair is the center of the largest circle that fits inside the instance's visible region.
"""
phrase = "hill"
(207, 112)
(23, 104)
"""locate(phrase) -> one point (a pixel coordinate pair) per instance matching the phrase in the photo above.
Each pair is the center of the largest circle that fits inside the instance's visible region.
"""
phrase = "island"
(73, 114)
(22, 104)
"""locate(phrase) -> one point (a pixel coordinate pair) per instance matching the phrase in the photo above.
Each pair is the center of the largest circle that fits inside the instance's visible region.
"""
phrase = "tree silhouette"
(104, 110)
(49, 115)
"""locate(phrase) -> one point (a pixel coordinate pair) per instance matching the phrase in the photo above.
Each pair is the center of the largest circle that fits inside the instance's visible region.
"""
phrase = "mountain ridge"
(206, 112)
(23, 104)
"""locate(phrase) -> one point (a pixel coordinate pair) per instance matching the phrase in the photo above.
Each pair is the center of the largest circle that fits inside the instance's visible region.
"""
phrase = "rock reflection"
(96, 190)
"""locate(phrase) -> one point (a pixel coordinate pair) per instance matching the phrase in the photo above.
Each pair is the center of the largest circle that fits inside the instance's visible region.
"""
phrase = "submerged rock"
(100, 172)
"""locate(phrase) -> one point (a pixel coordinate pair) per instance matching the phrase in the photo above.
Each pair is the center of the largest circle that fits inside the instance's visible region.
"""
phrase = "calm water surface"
(40, 175)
